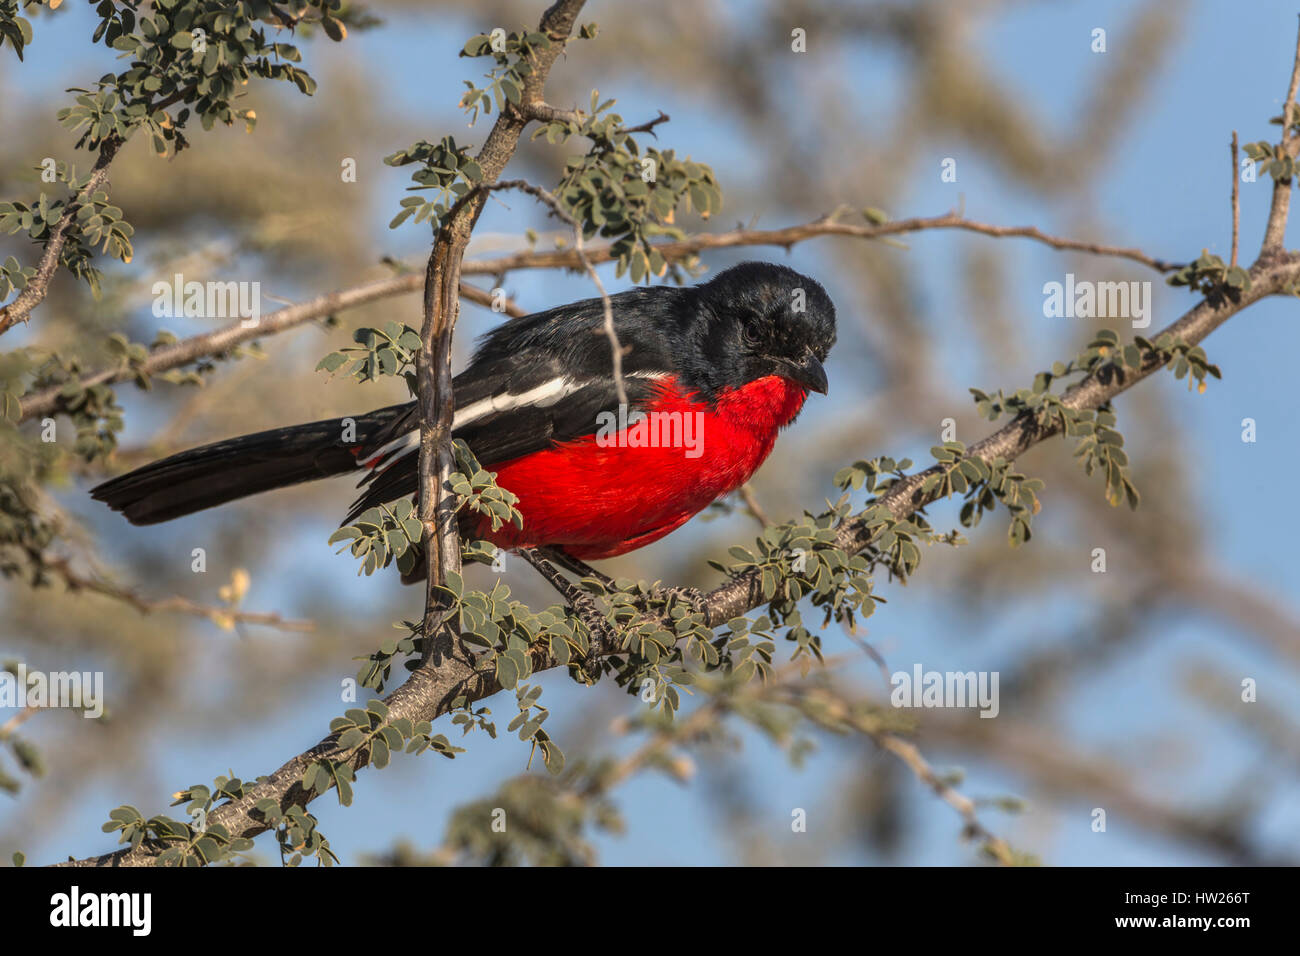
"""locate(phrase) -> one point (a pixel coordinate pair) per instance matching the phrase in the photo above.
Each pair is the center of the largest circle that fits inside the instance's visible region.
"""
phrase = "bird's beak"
(808, 372)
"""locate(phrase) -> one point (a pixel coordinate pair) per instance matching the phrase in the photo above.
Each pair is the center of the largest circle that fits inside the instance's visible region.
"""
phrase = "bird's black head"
(760, 319)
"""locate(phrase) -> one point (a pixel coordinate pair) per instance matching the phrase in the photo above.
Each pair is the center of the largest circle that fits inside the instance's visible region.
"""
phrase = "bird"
(711, 373)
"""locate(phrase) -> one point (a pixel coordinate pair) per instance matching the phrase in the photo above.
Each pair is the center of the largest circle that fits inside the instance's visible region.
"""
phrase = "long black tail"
(214, 474)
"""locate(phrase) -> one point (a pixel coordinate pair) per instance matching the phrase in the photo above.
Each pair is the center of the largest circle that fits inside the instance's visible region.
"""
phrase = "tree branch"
(34, 292)
(76, 581)
(1031, 752)
(820, 703)
(195, 347)
(1275, 231)
(438, 504)
(790, 235)
(1236, 200)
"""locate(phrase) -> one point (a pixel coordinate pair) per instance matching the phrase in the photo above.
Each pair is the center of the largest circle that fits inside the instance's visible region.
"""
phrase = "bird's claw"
(600, 633)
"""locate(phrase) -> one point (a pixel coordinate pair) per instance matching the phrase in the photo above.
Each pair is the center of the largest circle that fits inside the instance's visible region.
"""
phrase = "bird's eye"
(752, 333)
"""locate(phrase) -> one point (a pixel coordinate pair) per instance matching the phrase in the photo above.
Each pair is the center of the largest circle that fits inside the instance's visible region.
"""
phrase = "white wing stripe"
(548, 393)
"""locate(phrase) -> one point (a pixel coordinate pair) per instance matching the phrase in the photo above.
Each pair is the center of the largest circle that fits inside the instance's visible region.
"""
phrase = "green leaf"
(332, 362)
(334, 29)
(507, 672)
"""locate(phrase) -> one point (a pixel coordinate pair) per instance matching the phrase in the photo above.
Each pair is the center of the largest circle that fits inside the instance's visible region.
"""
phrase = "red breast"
(606, 494)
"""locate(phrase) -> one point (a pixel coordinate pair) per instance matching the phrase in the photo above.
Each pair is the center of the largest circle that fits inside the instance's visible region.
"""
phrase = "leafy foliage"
(178, 843)
(25, 532)
(625, 193)
(96, 222)
(297, 833)
(196, 54)
(16, 30)
(542, 824)
(1100, 445)
(617, 189)
(392, 532)
(14, 276)
(372, 732)
(478, 491)
(1272, 157)
(1213, 278)
(384, 534)
(446, 170)
(391, 350)
(512, 53)
(186, 59)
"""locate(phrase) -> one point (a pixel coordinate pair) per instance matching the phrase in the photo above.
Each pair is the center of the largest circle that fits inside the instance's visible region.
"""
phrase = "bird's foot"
(600, 632)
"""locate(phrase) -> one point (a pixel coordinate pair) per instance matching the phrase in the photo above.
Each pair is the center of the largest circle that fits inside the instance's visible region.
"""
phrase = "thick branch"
(1275, 230)
(438, 505)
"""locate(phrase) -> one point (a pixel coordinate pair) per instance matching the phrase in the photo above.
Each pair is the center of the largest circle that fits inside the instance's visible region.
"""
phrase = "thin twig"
(1288, 107)
(557, 208)
(1236, 199)
(912, 758)
(546, 113)
(17, 720)
(649, 125)
(75, 581)
(755, 509)
(1033, 752)
(850, 630)
(834, 709)
(680, 249)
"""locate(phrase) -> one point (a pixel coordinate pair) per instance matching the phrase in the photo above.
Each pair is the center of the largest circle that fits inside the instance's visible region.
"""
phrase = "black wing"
(504, 410)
